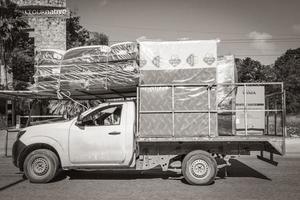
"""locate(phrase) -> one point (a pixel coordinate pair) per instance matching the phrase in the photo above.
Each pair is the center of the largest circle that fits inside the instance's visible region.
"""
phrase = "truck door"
(99, 139)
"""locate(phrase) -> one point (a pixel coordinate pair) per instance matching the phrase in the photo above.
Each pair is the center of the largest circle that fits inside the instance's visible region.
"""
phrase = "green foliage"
(69, 108)
(287, 70)
(12, 32)
(250, 70)
(77, 35)
(12, 25)
(97, 39)
(22, 63)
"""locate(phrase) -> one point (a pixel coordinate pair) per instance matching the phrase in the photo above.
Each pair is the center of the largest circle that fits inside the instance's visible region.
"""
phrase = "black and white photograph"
(149, 99)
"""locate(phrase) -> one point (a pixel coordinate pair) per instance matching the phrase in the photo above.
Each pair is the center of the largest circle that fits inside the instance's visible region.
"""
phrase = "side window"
(107, 116)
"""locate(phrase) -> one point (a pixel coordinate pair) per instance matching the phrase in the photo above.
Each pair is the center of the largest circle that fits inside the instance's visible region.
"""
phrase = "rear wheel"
(41, 166)
(199, 168)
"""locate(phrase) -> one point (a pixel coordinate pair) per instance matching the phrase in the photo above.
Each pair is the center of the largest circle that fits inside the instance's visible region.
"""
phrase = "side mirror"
(79, 121)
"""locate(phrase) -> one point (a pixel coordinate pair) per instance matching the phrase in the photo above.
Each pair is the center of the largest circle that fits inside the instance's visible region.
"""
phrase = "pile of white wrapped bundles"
(91, 67)
(47, 66)
(178, 62)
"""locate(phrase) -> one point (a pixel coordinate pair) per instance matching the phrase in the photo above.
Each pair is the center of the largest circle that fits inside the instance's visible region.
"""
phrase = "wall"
(47, 19)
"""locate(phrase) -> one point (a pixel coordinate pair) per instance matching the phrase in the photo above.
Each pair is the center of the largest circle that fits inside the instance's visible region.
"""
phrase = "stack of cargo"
(47, 68)
(226, 94)
(182, 63)
(93, 68)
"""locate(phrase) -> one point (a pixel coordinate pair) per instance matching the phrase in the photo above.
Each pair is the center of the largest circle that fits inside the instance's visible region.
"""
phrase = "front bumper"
(18, 148)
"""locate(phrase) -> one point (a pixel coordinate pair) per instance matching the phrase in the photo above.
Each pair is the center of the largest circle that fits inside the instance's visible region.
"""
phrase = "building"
(47, 21)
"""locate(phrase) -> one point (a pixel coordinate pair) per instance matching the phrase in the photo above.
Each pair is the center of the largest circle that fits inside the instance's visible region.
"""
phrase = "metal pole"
(283, 122)
(173, 108)
(267, 117)
(284, 115)
(6, 141)
(245, 110)
(275, 118)
(137, 110)
(208, 99)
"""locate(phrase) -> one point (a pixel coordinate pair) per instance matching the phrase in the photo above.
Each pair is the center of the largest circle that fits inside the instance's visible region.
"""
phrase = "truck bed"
(274, 144)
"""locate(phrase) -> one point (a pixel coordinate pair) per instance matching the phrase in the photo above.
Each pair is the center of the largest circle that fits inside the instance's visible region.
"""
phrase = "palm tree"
(12, 28)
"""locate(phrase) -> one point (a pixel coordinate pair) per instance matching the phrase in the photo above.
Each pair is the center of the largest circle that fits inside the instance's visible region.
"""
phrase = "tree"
(97, 39)
(287, 70)
(77, 35)
(22, 63)
(250, 70)
(12, 30)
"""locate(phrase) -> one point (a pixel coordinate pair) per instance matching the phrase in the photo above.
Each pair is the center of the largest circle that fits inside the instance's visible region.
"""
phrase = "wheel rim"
(40, 166)
(199, 168)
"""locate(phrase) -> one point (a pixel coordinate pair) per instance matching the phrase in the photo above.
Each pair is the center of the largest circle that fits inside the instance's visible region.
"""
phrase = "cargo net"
(87, 68)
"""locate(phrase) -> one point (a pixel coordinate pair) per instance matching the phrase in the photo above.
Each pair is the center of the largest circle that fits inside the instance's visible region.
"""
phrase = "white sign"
(47, 12)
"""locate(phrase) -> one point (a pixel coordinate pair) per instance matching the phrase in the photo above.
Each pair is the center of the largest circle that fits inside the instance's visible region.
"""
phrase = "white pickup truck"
(116, 135)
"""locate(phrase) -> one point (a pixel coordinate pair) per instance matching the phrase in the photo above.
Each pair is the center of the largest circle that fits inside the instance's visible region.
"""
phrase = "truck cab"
(99, 137)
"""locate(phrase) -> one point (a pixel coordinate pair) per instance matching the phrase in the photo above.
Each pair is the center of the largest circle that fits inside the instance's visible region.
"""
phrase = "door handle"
(114, 133)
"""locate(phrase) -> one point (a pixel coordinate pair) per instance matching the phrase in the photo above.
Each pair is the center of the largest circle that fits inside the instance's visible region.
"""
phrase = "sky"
(260, 29)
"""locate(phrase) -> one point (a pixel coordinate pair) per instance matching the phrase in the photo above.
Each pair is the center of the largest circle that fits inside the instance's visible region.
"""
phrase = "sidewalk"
(292, 146)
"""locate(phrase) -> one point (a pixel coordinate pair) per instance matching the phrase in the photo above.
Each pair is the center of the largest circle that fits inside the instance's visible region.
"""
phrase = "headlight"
(20, 133)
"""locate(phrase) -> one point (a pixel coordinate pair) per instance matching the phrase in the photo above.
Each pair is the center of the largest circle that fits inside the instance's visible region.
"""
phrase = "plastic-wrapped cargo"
(47, 63)
(189, 106)
(178, 61)
(226, 73)
(96, 67)
(123, 51)
(46, 57)
(47, 68)
(93, 68)
(186, 107)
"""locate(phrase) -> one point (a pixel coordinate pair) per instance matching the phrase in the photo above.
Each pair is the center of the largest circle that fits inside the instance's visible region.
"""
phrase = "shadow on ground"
(12, 184)
(237, 169)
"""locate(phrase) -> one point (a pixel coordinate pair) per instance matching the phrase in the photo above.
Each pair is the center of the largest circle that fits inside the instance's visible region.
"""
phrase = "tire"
(199, 168)
(41, 166)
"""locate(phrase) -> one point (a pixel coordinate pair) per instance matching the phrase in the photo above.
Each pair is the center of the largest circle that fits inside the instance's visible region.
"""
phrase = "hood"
(50, 121)
(49, 124)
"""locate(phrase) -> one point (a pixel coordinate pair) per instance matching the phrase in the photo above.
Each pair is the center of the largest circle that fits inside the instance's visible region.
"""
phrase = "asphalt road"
(248, 178)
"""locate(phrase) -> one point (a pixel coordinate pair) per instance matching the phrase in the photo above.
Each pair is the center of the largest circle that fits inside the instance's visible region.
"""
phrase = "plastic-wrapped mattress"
(47, 63)
(90, 67)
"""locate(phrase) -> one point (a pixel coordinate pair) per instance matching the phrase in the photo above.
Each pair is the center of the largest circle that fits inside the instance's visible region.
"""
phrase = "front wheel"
(40, 166)
(199, 168)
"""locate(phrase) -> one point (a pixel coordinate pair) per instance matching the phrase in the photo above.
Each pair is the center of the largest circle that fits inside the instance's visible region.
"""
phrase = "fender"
(51, 142)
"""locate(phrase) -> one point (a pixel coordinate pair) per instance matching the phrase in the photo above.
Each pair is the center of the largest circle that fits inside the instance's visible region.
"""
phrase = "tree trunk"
(5, 70)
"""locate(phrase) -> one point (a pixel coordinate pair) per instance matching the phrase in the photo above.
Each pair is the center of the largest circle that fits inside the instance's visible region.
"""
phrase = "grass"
(293, 125)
